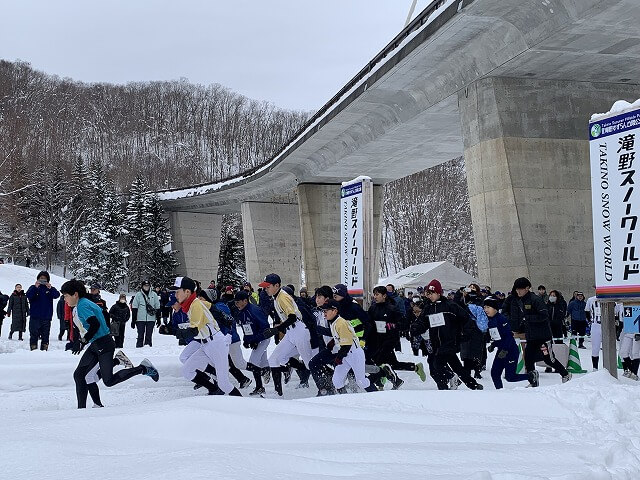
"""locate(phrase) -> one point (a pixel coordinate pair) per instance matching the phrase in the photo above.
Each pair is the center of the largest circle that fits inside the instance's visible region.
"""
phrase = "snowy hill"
(588, 428)
(12, 274)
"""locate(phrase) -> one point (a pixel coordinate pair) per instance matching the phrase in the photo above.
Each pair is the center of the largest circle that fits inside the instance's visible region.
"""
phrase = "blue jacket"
(503, 327)
(400, 305)
(233, 331)
(85, 310)
(41, 301)
(252, 319)
(477, 314)
(576, 310)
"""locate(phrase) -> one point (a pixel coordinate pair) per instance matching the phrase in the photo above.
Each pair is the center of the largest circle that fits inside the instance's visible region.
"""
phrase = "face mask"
(123, 300)
(552, 299)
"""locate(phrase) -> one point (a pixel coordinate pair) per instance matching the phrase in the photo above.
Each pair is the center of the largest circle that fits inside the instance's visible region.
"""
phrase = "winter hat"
(492, 302)
(287, 289)
(212, 293)
(241, 295)
(521, 282)
(434, 286)
(341, 290)
(45, 274)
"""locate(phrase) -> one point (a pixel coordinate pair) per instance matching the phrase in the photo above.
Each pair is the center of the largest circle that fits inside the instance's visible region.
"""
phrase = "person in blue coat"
(41, 297)
(253, 322)
(94, 331)
(506, 359)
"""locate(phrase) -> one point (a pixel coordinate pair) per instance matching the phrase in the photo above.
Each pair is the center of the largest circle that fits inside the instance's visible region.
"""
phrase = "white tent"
(450, 276)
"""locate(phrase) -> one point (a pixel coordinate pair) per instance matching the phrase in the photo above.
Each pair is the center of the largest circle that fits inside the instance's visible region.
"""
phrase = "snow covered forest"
(78, 162)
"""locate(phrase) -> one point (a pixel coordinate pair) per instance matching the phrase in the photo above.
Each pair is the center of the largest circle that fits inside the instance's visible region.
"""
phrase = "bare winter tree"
(426, 218)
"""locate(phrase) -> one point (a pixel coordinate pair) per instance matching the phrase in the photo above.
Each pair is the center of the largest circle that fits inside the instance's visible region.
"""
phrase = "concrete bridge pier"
(271, 241)
(196, 237)
(319, 213)
(526, 151)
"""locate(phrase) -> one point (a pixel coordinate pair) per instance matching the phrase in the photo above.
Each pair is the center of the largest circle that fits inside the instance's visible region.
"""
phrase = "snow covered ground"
(588, 428)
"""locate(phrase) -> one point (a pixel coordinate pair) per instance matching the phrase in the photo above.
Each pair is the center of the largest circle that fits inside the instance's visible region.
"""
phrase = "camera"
(42, 282)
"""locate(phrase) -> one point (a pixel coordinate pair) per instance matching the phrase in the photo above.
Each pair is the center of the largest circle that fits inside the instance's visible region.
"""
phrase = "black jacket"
(384, 333)
(120, 312)
(531, 316)
(445, 339)
(557, 314)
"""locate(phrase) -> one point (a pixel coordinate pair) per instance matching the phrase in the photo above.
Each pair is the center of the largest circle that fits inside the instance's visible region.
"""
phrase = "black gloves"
(337, 361)
(77, 345)
(245, 344)
(331, 344)
(270, 332)
(491, 348)
(133, 323)
(157, 322)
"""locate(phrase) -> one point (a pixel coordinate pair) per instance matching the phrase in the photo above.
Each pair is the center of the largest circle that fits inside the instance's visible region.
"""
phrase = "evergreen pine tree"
(162, 259)
(75, 213)
(231, 264)
(138, 232)
(99, 257)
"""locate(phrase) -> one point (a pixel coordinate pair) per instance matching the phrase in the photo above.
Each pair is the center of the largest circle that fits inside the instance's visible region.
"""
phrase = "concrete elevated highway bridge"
(509, 84)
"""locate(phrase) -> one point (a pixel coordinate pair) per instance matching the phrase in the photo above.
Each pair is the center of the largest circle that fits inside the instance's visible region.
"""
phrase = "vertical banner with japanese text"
(615, 188)
(356, 214)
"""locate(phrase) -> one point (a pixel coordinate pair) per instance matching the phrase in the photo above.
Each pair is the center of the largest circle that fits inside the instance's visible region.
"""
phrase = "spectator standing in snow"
(41, 296)
(18, 311)
(120, 314)
(577, 311)
(4, 299)
(144, 307)
(93, 331)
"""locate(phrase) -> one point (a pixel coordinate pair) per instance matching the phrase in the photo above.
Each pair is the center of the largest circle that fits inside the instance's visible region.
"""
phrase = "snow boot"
(594, 362)
(371, 388)
(534, 378)
(235, 393)
(202, 380)
(34, 347)
(44, 347)
(276, 374)
(258, 391)
(342, 390)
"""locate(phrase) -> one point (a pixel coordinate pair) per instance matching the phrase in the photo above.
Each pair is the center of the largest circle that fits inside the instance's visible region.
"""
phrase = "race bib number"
(246, 328)
(381, 327)
(495, 334)
(436, 320)
(426, 336)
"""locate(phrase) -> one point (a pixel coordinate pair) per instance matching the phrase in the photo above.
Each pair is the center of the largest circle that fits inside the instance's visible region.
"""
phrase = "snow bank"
(585, 429)
(619, 107)
(12, 274)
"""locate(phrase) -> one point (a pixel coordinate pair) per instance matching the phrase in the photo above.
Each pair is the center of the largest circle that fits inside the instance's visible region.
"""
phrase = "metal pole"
(609, 355)
(411, 10)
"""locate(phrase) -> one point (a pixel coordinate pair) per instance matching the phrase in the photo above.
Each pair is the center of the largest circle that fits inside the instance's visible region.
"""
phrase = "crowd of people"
(326, 337)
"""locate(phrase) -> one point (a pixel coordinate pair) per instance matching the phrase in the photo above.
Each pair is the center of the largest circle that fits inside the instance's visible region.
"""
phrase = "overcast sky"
(294, 53)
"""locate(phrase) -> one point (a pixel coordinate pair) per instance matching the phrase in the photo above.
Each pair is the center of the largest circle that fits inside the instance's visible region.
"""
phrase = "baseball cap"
(330, 305)
(185, 283)
(95, 285)
(270, 279)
